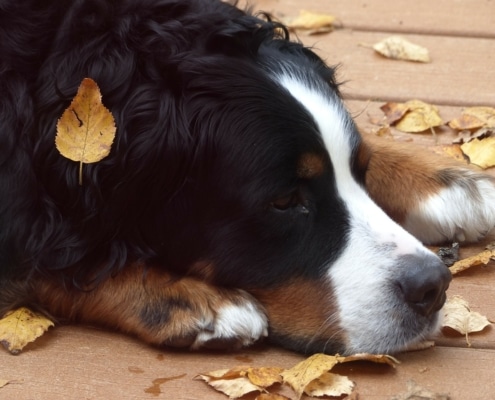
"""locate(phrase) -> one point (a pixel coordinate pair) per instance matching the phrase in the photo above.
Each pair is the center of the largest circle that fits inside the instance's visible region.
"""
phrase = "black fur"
(206, 142)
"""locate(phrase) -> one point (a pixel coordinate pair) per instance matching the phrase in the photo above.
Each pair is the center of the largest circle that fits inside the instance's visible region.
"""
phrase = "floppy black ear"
(243, 36)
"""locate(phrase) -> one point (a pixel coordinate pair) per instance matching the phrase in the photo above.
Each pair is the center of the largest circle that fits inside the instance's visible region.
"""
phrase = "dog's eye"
(293, 201)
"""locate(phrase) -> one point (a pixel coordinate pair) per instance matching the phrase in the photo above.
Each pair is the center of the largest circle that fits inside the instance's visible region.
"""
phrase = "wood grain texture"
(85, 363)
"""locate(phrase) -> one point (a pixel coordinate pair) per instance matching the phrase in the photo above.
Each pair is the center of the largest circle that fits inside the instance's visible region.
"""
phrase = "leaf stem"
(80, 172)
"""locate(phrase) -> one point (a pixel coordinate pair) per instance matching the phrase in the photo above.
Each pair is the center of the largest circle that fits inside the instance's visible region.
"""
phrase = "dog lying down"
(238, 200)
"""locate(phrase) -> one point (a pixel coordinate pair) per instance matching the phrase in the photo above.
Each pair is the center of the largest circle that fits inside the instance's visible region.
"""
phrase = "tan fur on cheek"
(303, 311)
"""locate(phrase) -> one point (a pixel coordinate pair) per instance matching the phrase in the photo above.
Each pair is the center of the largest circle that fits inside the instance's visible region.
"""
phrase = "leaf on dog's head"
(458, 316)
(413, 116)
(20, 327)
(86, 129)
(398, 48)
(310, 22)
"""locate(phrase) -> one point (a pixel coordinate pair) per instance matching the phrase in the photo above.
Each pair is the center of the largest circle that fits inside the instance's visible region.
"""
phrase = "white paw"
(463, 211)
(235, 325)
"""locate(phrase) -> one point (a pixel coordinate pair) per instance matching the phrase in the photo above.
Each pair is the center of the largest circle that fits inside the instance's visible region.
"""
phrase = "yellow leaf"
(271, 396)
(474, 118)
(299, 376)
(376, 358)
(264, 377)
(311, 22)
(412, 116)
(3, 382)
(329, 384)
(230, 382)
(86, 129)
(458, 316)
(480, 152)
(20, 327)
(398, 48)
(481, 258)
(394, 111)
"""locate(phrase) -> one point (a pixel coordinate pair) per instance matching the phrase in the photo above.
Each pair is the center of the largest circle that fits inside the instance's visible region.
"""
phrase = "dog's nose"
(423, 282)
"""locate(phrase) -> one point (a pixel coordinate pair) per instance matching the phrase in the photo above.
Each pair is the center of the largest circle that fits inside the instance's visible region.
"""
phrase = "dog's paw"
(235, 325)
(214, 319)
(463, 210)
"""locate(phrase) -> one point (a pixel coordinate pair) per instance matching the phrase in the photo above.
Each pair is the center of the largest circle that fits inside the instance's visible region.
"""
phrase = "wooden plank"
(460, 73)
(83, 363)
(466, 18)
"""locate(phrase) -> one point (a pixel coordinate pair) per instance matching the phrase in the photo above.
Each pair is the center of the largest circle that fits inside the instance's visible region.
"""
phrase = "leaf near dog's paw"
(20, 327)
(239, 381)
(458, 316)
(413, 116)
(474, 118)
(329, 384)
(86, 129)
(311, 22)
(481, 152)
(398, 48)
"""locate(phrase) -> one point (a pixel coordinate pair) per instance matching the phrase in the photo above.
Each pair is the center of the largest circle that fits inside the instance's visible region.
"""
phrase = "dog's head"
(235, 160)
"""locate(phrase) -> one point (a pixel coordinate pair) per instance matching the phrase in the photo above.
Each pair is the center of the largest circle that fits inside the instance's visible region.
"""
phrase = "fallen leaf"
(271, 396)
(415, 392)
(230, 382)
(482, 258)
(413, 116)
(455, 152)
(474, 118)
(311, 23)
(302, 374)
(20, 327)
(394, 111)
(86, 129)
(264, 377)
(480, 152)
(398, 48)
(299, 376)
(3, 382)
(458, 316)
(329, 384)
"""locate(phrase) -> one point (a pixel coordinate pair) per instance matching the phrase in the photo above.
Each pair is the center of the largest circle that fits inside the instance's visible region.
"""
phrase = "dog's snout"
(423, 282)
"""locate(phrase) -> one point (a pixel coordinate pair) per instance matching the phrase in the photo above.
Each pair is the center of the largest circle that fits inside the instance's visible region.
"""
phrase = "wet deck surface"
(87, 363)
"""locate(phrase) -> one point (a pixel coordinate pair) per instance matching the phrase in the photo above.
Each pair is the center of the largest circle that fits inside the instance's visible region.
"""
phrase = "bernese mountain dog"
(238, 200)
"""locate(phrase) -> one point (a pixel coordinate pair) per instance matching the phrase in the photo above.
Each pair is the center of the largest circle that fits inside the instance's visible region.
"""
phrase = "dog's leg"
(435, 199)
(162, 309)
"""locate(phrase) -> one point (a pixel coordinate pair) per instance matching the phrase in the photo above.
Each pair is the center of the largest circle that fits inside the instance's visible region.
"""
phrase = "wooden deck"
(86, 363)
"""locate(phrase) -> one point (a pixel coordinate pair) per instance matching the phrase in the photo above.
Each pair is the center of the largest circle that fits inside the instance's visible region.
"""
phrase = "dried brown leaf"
(474, 118)
(86, 129)
(20, 327)
(398, 48)
(412, 116)
(458, 316)
(264, 377)
(329, 384)
(480, 152)
(271, 396)
(299, 376)
(230, 382)
(311, 22)
(482, 258)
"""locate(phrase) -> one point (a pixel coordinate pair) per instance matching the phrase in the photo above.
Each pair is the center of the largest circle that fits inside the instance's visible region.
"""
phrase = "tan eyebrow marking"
(310, 166)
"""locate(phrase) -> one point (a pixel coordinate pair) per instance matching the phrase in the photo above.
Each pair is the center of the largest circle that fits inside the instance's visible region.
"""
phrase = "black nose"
(423, 281)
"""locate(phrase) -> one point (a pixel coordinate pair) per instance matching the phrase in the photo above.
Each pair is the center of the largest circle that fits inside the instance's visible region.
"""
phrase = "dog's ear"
(243, 36)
